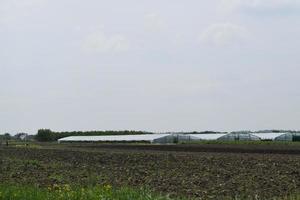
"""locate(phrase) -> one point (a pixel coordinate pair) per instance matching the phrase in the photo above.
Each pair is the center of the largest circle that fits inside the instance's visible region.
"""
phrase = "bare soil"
(193, 171)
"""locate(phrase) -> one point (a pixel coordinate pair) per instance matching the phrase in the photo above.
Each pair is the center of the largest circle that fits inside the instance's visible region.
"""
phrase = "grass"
(106, 192)
(65, 192)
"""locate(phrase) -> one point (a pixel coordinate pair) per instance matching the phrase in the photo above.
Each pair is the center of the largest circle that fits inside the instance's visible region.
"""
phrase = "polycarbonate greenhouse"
(152, 138)
(213, 136)
(289, 137)
(268, 136)
(239, 137)
(175, 138)
(178, 138)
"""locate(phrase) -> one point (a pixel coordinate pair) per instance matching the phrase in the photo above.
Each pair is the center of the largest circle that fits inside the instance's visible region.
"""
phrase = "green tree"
(6, 136)
(44, 135)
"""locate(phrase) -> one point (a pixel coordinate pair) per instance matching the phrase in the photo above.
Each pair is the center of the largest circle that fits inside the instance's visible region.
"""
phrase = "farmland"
(199, 171)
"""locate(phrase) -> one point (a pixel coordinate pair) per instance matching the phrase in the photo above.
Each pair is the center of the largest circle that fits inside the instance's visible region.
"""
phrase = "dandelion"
(107, 187)
(55, 187)
(67, 188)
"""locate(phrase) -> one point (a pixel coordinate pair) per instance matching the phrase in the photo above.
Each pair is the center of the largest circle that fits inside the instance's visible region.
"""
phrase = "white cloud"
(101, 43)
(154, 22)
(231, 5)
(222, 34)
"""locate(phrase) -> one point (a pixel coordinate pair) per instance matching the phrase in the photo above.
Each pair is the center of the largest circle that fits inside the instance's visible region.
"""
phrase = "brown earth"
(190, 171)
(280, 148)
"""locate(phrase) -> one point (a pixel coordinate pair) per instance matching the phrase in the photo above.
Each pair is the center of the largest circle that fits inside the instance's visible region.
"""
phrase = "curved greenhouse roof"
(239, 137)
(213, 136)
(267, 136)
(174, 138)
(288, 137)
(114, 138)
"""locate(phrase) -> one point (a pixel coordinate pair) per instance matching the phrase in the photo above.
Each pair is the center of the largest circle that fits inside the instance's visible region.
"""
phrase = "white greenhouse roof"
(145, 137)
(268, 136)
(213, 136)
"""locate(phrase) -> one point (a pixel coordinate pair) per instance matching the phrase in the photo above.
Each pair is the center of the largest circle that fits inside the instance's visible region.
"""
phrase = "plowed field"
(213, 174)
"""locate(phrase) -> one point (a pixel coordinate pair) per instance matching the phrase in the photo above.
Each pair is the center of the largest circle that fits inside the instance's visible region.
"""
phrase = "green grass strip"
(65, 192)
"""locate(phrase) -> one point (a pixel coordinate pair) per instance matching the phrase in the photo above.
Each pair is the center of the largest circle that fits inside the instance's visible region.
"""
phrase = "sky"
(168, 65)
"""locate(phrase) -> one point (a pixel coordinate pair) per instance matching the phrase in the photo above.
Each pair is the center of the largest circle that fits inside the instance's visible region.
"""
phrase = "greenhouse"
(289, 137)
(239, 137)
(268, 136)
(178, 138)
(175, 138)
(213, 136)
(152, 138)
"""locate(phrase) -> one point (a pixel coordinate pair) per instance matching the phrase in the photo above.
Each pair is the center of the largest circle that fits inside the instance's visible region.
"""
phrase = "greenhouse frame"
(239, 137)
(115, 138)
(170, 138)
(213, 136)
(294, 137)
(268, 136)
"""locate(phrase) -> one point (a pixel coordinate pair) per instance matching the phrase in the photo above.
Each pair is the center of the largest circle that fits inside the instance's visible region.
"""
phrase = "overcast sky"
(160, 65)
